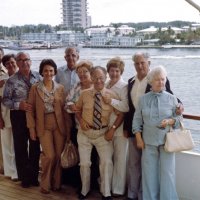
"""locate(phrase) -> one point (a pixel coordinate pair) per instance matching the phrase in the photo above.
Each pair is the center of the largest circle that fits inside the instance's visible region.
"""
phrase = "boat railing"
(190, 116)
(191, 121)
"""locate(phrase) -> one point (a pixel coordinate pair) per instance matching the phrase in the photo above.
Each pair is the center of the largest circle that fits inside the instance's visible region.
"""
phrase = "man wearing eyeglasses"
(16, 91)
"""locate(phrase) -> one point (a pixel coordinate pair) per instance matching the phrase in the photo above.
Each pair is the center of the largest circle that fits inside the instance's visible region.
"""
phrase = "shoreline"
(144, 46)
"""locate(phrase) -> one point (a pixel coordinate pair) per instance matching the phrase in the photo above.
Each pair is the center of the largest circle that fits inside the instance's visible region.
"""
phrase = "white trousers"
(120, 148)
(105, 152)
(8, 153)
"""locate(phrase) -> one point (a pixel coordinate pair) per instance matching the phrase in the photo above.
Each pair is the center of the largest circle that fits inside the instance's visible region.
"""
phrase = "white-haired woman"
(155, 114)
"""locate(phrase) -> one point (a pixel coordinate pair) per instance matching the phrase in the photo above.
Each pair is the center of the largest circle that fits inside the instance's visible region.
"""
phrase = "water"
(183, 67)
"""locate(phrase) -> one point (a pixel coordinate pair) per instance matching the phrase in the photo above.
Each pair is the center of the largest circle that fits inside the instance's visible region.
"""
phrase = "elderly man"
(137, 86)
(15, 95)
(66, 75)
(94, 119)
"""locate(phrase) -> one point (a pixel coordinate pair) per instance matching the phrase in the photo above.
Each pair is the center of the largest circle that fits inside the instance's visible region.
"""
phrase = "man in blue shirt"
(66, 75)
(16, 92)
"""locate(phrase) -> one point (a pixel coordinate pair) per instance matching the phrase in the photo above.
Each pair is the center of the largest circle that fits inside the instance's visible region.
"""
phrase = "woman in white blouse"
(115, 69)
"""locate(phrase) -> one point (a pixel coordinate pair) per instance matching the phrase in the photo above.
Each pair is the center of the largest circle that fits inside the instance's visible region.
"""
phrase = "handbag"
(178, 140)
(69, 156)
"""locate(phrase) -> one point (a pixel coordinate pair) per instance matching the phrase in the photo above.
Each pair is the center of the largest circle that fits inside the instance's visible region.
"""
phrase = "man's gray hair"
(143, 54)
(158, 70)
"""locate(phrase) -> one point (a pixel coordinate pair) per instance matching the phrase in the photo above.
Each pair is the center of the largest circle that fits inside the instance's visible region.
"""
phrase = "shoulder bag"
(69, 156)
(178, 140)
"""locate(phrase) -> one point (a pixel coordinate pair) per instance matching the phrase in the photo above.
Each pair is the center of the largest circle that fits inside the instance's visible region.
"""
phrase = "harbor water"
(182, 65)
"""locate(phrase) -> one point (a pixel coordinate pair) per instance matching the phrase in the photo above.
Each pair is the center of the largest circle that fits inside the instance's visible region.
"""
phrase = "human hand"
(109, 134)
(140, 143)
(33, 134)
(73, 108)
(106, 98)
(126, 134)
(2, 82)
(84, 125)
(179, 109)
(165, 122)
(23, 105)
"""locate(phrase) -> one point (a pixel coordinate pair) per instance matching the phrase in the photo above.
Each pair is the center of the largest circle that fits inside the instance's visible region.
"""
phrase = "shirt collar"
(120, 83)
(101, 91)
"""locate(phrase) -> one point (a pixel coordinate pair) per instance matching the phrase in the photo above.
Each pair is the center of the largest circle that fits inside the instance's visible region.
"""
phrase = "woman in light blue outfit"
(152, 120)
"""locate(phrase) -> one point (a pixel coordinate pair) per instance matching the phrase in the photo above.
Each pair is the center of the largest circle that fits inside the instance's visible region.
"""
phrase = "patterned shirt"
(48, 97)
(17, 89)
(67, 78)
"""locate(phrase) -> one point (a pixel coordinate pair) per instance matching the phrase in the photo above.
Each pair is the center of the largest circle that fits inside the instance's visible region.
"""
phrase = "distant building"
(75, 13)
(110, 30)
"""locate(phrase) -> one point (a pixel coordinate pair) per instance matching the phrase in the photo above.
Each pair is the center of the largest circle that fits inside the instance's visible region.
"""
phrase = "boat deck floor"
(10, 190)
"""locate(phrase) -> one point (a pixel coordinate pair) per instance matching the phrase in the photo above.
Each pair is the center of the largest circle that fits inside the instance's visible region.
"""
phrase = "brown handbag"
(69, 156)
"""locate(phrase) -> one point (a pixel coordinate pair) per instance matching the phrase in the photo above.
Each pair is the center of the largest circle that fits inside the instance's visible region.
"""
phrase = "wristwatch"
(114, 127)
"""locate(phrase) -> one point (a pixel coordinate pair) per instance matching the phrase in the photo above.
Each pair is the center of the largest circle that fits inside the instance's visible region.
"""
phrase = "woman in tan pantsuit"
(46, 121)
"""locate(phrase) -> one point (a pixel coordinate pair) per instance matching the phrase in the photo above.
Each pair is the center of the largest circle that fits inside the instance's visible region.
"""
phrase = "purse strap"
(181, 126)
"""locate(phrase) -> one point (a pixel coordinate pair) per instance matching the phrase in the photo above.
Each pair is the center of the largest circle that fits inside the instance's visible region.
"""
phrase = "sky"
(103, 12)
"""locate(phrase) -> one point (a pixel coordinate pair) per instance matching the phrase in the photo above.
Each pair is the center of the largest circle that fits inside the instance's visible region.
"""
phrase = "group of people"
(117, 126)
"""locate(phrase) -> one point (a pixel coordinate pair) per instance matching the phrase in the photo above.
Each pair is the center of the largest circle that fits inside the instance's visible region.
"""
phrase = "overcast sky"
(103, 12)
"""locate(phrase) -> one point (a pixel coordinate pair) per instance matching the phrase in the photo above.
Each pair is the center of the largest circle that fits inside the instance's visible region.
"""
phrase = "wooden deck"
(10, 190)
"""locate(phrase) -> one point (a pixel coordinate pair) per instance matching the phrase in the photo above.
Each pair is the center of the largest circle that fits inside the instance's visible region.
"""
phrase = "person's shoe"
(25, 184)
(106, 198)
(56, 189)
(14, 179)
(117, 195)
(35, 183)
(43, 191)
(81, 196)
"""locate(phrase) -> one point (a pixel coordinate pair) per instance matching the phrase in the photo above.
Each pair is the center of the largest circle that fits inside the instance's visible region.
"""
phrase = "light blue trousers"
(158, 174)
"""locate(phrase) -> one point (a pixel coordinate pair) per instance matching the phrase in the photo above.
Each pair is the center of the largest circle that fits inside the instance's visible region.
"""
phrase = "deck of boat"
(10, 190)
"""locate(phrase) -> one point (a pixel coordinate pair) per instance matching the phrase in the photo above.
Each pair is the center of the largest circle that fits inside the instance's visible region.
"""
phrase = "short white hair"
(158, 70)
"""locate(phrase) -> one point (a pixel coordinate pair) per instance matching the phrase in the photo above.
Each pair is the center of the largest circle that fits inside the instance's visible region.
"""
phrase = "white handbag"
(178, 140)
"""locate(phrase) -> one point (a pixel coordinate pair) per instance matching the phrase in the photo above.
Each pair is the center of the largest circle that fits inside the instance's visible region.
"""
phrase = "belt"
(94, 128)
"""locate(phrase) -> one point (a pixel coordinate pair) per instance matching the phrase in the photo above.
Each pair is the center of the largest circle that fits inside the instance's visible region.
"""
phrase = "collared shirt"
(152, 109)
(17, 88)
(86, 105)
(68, 78)
(138, 90)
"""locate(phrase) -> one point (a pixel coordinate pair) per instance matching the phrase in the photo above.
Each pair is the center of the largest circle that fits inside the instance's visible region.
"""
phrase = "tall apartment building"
(74, 13)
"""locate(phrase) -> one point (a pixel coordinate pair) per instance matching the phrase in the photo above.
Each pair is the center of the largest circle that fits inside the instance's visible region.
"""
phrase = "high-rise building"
(74, 13)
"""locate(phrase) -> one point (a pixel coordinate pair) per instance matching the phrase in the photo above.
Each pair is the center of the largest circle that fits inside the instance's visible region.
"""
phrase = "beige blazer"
(35, 119)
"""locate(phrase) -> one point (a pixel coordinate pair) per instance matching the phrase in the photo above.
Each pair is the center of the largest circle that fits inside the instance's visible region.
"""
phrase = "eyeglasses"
(82, 71)
(24, 60)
